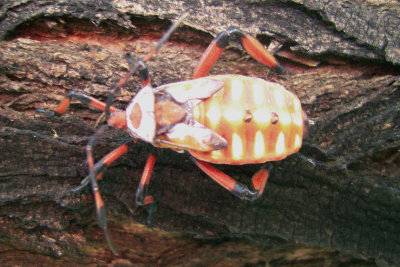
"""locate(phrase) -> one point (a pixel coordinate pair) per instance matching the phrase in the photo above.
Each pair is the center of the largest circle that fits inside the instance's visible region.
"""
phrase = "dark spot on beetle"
(248, 117)
(275, 118)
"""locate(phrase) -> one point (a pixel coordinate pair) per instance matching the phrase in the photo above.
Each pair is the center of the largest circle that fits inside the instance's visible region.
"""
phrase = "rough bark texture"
(335, 202)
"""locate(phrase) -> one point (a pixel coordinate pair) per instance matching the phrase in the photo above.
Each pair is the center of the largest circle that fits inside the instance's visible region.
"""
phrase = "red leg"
(248, 42)
(208, 59)
(141, 194)
(85, 99)
(240, 190)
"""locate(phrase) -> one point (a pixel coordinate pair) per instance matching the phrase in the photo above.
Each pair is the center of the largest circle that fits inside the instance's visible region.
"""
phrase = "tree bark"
(334, 202)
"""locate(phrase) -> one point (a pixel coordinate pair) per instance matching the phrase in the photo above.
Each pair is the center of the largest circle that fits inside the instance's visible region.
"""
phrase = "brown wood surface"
(336, 202)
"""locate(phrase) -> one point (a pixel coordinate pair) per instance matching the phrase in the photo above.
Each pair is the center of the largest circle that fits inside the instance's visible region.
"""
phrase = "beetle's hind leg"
(142, 198)
(102, 165)
(99, 204)
(259, 180)
(248, 42)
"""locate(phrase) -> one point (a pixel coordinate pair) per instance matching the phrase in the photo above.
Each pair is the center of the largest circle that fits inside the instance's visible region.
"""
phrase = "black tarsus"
(243, 192)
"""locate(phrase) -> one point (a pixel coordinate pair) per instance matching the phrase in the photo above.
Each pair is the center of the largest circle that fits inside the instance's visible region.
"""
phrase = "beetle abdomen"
(261, 121)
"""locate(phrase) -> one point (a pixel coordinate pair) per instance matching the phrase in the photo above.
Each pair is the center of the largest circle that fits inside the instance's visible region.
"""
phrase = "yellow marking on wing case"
(280, 144)
(296, 104)
(236, 89)
(297, 141)
(262, 115)
(298, 118)
(233, 114)
(213, 114)
(284, 117)
(259, 145)
(258, 93)
(237, 147)
(279, 97)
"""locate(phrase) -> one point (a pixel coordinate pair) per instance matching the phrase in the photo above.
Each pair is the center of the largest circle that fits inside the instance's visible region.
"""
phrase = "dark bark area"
(335, 202)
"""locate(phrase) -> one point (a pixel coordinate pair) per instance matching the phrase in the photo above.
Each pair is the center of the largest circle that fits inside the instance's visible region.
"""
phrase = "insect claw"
(110, 242)
(82, 186)
(278, 68)
(47, 113)
(243, 192)
(102, 221)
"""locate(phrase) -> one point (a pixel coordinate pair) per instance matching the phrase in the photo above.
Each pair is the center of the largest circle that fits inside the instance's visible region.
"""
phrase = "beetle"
(220, 119)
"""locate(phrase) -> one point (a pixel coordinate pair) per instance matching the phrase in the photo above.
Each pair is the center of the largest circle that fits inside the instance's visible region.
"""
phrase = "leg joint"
(141, 194)
(243, 192)
(82, 97)
(231, 34)
(142, 70)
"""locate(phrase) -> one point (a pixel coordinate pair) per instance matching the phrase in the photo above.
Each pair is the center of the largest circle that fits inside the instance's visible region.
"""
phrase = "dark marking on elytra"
(275, 118)
(248, 117)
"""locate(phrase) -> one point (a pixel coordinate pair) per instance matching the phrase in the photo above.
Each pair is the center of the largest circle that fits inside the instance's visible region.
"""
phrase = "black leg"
(100, 208)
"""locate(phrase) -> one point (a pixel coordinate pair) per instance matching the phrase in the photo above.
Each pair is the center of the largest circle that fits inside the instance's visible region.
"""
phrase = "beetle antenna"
(165, 37)
(134, 67)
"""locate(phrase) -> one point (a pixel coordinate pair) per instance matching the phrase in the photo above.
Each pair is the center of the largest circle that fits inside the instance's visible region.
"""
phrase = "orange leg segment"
(141, 194)
(259, 180)
(82, 97)
(248, 42)
(257, 51)
(208, 59)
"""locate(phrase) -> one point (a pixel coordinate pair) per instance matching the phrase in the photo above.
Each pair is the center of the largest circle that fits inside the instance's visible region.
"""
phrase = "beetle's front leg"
(259, 180)
(248, 42)
(82, 97)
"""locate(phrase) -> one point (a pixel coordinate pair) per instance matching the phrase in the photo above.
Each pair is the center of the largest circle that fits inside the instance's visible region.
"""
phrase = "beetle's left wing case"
(194, 89)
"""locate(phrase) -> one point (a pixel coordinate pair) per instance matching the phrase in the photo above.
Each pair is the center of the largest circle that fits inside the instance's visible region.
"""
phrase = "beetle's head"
(140, 115)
